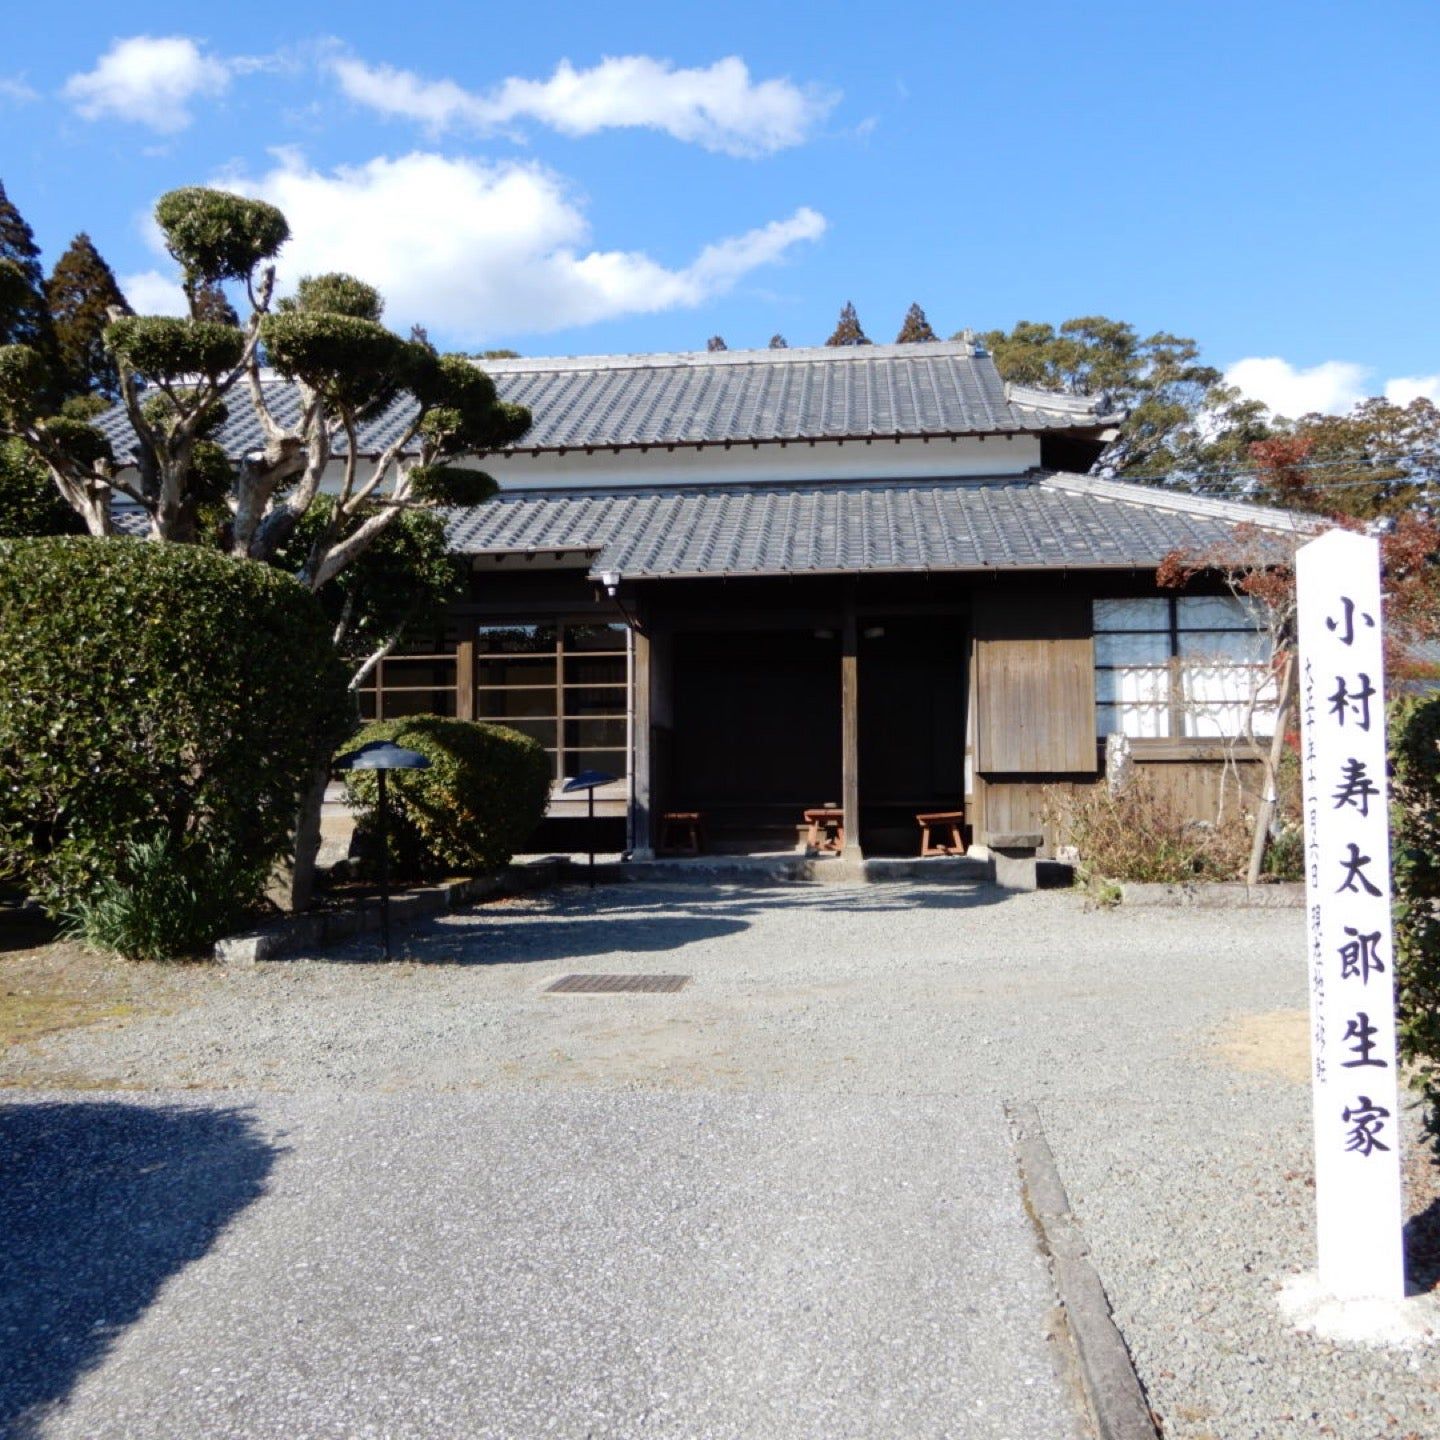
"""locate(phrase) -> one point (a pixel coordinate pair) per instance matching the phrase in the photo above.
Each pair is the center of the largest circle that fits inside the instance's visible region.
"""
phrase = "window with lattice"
(1179, 667)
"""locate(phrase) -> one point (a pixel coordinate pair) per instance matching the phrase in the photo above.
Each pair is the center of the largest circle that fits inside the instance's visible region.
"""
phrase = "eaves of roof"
(1006, 523)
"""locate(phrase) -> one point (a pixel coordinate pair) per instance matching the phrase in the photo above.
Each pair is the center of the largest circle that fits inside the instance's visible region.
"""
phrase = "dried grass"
(1141, 835)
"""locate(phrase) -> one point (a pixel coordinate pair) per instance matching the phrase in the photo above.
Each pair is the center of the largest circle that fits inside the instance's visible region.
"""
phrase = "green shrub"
(1140, 835)
(1285, 854)
(1415, 859)
(165, 899)
(1284, 857)
(155, 693)
(484, 793)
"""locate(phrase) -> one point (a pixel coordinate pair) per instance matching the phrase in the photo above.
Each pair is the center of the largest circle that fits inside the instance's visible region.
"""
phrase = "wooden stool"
(948, 819)
(832, 822)
(688, 826)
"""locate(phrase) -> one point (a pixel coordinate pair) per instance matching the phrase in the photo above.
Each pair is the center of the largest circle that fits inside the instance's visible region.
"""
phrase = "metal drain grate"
(617, 984)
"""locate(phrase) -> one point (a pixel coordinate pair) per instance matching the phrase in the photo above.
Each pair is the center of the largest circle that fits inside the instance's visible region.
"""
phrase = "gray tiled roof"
(733, 396)
(844, 528)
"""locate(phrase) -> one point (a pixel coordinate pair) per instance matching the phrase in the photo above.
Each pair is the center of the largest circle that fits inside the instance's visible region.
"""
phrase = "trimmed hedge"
(155, 694)
(484, 794)
(1415, 861)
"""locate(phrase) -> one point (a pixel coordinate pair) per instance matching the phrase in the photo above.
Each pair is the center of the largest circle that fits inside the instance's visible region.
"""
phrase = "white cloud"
(1332, 387)
(718, 106)
(149, 80)
(476, 251)
(1405, 388)
(16, 91)
(151, 293)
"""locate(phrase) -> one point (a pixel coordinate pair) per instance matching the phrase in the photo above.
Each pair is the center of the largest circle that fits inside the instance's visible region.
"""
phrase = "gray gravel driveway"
(514, 1265)
(438, 1185)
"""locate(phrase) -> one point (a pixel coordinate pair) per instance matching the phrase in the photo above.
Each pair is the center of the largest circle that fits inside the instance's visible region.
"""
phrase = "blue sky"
(1259, 176)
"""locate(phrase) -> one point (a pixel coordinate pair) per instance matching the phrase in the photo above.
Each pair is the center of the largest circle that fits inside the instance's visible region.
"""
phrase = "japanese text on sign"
(1347, 875)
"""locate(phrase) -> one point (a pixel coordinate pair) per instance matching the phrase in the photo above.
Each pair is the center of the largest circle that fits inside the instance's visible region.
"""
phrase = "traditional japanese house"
(877, 579)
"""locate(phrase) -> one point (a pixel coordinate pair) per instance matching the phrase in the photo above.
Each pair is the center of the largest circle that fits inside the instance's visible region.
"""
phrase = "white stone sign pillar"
(1347, 894)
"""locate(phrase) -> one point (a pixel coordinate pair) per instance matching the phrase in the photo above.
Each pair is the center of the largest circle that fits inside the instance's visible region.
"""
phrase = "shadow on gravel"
(537, 940)
(637, 898)
(574, 923)
(1422, 1250)
(100, 1204)
(22, 927)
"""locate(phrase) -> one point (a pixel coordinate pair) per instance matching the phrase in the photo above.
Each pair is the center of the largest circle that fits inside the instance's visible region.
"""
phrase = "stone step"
(789, 869)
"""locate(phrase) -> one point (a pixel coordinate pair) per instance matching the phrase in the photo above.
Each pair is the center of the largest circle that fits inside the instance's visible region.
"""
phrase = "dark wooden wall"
(1023, 706)
(757, 719)
(911, 712)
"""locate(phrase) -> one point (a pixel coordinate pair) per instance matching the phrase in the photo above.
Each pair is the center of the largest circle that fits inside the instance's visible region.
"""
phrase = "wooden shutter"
(1034, 684)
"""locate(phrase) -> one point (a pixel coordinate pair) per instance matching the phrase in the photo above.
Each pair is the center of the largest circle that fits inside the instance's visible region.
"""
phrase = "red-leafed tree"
(1379, 460)
(1258, 565)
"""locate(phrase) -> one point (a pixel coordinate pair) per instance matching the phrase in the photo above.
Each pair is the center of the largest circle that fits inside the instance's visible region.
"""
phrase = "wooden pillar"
(465, 680)
(975, 786)
(850, 733)
(642, 819)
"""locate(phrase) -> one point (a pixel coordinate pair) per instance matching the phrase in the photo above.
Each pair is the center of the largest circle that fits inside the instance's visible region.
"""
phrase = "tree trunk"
(307, 839)
(96, 514)
(1266, 812)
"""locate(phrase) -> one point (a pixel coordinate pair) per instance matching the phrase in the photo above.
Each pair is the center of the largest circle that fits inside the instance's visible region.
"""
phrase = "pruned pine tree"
(716, 342)
(346, 366)
(179, 376)
(916, 328)
(847, 329)
(80, 295)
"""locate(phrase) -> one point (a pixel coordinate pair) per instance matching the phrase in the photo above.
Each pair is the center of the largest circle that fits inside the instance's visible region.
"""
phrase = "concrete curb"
(294, 933)
(1217, 896)
(1112, 1388)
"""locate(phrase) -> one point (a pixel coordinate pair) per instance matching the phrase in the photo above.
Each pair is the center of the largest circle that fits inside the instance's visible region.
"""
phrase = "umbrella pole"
(384, 869)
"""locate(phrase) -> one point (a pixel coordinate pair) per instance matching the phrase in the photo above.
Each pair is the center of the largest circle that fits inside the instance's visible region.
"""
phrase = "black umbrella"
(590, 781)
(380, 756)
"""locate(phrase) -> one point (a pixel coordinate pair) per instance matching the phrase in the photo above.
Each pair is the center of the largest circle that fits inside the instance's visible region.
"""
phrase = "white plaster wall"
(741, 464)
(746, 464)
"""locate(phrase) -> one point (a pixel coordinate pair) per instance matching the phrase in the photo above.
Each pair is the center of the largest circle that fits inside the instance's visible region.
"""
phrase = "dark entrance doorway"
(912, 725)
(757, 731)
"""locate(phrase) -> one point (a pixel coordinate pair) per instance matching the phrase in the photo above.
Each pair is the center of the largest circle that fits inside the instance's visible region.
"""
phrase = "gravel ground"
(1160, 1048)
